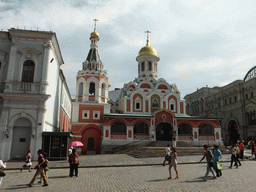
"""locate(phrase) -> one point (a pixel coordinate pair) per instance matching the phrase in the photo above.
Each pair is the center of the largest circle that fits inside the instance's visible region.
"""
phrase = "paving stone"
(147, 178)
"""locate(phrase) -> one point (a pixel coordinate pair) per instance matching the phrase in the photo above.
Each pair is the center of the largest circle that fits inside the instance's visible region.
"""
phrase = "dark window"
(251, 92)
(206, 129)
(251, 118)
(142, 66)
(246, 96)
(0, 65)
(185, 129)
(118, 127)
(85, 114)
(141, 128)
(28, 71)
(150, 66)
(230, 100)
(172, 107)
(92, 88)
(137, 105)
(96, 115)
(235, 98)
(225, 101)
(103, 90)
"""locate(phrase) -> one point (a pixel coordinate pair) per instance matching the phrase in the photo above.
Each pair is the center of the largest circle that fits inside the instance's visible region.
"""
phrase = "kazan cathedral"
(147, 108)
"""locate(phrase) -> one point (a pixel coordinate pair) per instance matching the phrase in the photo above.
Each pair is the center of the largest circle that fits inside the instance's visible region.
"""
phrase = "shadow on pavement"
(156, 180)
(16, 187)
(58, 177)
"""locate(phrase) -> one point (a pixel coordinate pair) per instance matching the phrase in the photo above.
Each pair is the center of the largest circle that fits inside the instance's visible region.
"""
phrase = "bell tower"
(92, 80)
(147, 60)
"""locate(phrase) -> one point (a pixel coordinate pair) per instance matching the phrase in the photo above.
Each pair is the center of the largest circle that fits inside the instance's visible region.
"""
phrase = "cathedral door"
(91, 140)
(164, 132)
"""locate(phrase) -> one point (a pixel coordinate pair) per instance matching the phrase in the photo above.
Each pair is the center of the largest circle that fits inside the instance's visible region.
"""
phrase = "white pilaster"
(44, 80)
(195, 141)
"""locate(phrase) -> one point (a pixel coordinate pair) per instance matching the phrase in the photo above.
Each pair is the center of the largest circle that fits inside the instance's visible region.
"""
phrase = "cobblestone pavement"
(147, 178)
(116, 159)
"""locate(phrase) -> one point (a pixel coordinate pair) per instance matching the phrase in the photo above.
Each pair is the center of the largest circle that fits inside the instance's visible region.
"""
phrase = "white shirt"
(167, 151)
(69, 151)
(2, 165)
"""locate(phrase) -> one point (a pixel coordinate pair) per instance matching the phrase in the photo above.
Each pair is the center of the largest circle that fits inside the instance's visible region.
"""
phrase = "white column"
(11, 66)
(44, 80)
(152, 133)
(129, 128)
(5, 142)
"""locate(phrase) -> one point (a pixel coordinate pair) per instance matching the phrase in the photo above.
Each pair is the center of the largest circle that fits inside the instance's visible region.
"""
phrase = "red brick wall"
(145, 85)
(64, 121)
(91, 108)
(128, 105)
(181, 107)
(162, 87)
(164, 104)
(146, 105)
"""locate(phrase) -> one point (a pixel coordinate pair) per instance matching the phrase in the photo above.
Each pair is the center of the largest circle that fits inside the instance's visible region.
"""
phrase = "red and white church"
(147, 108)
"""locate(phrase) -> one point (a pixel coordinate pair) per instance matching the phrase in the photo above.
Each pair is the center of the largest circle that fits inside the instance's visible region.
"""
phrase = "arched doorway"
(233, 132)
(21, 138)
(91, 140)
(164, 132)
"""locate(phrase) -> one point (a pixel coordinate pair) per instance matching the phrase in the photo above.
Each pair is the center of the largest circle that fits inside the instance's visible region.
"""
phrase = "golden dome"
(148, 51)
(94, 34)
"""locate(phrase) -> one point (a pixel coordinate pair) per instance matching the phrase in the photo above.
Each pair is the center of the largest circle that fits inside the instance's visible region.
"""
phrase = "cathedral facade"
(147, 108)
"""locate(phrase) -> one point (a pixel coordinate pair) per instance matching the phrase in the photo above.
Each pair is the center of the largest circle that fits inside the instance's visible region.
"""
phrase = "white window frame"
(137, 100)
(88, 114)
(96, 112)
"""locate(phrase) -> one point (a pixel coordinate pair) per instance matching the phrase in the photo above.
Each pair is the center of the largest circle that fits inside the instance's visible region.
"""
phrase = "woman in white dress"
(2, 166)
(173, 163)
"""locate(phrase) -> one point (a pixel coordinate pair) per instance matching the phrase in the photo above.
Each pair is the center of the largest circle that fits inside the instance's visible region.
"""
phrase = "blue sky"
(199, 42)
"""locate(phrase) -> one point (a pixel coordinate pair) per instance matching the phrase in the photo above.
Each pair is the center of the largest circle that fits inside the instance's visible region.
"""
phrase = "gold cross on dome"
(147, 35)
(95, 20)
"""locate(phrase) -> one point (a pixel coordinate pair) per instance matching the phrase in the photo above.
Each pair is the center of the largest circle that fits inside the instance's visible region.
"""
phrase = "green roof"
(93, 55)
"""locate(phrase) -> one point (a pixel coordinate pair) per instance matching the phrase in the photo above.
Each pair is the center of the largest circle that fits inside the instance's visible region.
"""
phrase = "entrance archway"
(91, 140)
(21, 138)
(233, 132)
(164, 132)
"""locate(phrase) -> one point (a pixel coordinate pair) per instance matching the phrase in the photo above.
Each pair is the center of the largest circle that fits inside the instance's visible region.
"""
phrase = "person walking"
(73, 162)
(40, 170)
(233, 156)
(173, 163)
(167, 154)
(252, 147)
(241, 146)
(237, 155)
(217, 156)
(2, 166)
(28, 163)
(209, 157)
(174, 140)
(46, 169)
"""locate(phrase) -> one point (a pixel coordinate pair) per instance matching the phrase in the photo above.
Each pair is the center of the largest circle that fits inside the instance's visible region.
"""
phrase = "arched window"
(142, 66)
(92, 88)
(137, 103)
(155, 102)
(28, 71)
(80, 92)
(149, 66)
(118, 127)
(141, 128)
(103, 90)
(206, 129)
(185, 129)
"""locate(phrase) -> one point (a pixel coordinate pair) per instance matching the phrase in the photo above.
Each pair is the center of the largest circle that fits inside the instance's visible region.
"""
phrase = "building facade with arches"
(145, 109)
(233, 104)
(34, 97)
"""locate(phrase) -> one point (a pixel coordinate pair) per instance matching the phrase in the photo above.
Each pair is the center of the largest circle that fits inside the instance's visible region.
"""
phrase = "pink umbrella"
(76, 144)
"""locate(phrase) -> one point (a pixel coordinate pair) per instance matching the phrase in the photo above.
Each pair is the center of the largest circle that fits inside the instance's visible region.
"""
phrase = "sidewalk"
(119, 160)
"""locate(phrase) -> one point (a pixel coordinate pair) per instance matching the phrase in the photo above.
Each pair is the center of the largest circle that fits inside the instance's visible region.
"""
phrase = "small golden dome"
(94, 34)
(147, 51)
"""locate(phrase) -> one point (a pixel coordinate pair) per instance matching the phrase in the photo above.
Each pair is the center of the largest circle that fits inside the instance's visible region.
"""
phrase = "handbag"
(219, 167)
(2, 173)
